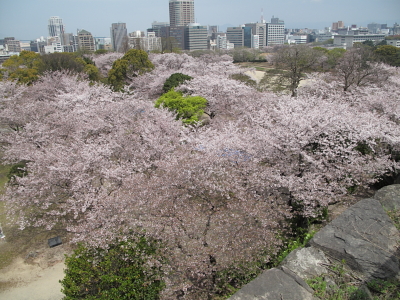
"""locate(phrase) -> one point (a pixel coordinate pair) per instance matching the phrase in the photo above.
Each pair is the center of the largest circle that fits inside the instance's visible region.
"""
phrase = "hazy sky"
(28, 19)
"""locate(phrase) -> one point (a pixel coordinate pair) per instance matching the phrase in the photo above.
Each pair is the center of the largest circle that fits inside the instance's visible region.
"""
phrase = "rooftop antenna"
(262, 15)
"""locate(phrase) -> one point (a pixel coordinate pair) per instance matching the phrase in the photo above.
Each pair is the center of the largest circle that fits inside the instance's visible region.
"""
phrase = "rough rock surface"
(363, 236)
(274, 284)
(306, 262)
(389, 196)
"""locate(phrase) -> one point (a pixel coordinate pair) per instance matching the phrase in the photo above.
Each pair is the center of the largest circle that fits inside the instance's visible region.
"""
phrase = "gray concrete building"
(235, 35)
(196, 37)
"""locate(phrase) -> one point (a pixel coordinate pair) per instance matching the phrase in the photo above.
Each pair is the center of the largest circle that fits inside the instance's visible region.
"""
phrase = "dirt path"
(35, 283)
(255, 75)
(35, 277)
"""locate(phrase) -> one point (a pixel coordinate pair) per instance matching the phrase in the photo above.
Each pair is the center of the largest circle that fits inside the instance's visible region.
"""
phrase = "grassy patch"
(300, 241)
(341, 284)
(7, 253)
(4, 169)
(385, 289)
(16, 242)
(259, 66)
(395, 216)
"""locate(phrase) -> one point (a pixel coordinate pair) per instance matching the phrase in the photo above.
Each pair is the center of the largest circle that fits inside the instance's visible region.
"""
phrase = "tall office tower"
(259, 29)
(56, 28)
(196, 37)
(181, 12)
(119, 36)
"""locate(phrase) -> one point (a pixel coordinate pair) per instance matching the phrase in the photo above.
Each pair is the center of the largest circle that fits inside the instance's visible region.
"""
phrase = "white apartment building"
(255, 41)
(298, 39)
(54, 47)
(221, 42)
(395, 43)
(148, 44)
(349, 39)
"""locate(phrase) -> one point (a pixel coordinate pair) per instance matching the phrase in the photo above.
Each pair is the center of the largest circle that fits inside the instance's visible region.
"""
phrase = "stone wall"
(363, 238)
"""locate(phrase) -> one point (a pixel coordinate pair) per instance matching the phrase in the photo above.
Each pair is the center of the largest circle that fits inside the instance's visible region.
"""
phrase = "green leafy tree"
(389, 55)
(189, 109)
(62, 61)
(93, 72)
(73, 62)
(121, 272)
(368, 43)
(175, 80)
(101, 51)
(243, 54)
(323, 50)
(23, 67)
(382, 43)
(133, 63)
(334, 56)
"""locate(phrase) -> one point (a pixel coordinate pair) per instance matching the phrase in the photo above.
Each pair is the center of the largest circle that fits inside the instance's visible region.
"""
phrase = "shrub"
(121, 272)
(175, 80)
(188, 108)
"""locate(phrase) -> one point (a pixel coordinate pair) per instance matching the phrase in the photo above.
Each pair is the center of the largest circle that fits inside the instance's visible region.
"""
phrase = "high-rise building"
(56, 28)
(260, 30)
(181, 12)
(119, 36)
(156, 27)
(86, 41)
(275, 32)
(235, 35)
(195, 37)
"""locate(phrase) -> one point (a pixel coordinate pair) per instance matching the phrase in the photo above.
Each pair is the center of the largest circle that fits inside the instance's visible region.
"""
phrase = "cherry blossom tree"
(102, 163)
(358, 67)
(104, 61)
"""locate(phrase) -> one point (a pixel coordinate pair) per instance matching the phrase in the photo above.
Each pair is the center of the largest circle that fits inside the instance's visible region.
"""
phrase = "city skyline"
(27, 20)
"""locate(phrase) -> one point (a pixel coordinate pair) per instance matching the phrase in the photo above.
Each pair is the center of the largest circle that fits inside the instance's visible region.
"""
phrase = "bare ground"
(32, 272)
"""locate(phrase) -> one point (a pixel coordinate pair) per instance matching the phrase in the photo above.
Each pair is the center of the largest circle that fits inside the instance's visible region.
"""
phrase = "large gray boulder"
(306, 262)
(389, 197)
(275, 284)
(363, 236)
